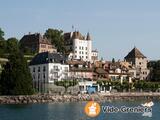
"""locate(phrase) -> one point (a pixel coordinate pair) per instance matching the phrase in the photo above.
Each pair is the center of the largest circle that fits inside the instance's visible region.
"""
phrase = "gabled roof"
(46, 57)
(101, 71)
(135, 53)
(37, 37)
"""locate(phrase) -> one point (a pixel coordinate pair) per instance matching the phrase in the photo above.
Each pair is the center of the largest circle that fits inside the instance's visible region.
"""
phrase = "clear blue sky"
(116, 26)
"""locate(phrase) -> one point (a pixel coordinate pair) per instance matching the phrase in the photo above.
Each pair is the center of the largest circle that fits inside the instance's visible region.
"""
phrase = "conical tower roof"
(88, 36)
(135, 53)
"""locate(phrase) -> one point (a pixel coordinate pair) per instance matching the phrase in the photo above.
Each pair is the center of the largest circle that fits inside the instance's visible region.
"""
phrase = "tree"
(155, 72)
(2, 43)
(16, 78)
(1, 34)
(113, 60)
(56, 37)
(12, 45)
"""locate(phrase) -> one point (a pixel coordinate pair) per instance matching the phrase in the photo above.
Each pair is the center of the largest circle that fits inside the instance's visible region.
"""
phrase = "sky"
(116, 26)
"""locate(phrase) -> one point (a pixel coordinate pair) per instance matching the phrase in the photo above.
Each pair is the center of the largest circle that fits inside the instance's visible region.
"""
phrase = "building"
(80, 70)
(88, 86)
(46, 68)
(139, 63)
(94, 56)
(78, 46)
(36, 43)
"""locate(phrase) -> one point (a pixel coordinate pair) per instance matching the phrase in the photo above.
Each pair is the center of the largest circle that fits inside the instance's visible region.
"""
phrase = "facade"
(139, 63)
(79, 46)
(80, 70)
(94, 55)
(88, 86)
(46, 68)
(36, 43)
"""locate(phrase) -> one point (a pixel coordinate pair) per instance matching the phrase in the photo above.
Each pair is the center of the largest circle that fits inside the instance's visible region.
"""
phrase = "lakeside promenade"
(48, 98)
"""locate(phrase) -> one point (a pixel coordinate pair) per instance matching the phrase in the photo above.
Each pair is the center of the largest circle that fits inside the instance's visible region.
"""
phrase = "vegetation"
(7, 46)
(15, 77)
(66, 83)
(57, 39)
(135, 86)
(155, 71)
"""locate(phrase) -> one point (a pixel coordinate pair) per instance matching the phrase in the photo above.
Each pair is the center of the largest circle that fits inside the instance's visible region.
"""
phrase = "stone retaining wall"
(74, 98)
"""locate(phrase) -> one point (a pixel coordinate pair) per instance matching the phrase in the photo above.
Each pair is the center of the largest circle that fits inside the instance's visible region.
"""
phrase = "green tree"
(12, 45)
(113, 60)
(2, 43)
(16, 78)
(57, 39)
(155, 71)
(1, 34)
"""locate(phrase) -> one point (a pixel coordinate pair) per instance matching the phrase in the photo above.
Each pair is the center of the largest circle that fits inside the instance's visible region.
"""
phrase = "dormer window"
(51, 60)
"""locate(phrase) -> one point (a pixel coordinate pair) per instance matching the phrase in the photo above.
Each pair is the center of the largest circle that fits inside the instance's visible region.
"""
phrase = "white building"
(46, 68)
(79, 46)
(94, 55)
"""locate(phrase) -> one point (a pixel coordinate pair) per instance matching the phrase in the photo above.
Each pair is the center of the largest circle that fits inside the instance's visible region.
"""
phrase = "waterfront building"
(47, 68)
(139, 63)
(36, 43)
(88, 86)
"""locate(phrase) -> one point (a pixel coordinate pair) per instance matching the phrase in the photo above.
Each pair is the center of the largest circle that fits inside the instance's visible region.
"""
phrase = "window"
(56, 75)
(86, 48)
(66, 69)
(82, 52)
(34, 69)
(51, 60)
(44, 76)
(86, 57)
(39, 69)
(75, 51)
(79, 47)
(44, 68)
(55, 67)
(38, 76)
(82, 48)
(79, 52)
(86, 53)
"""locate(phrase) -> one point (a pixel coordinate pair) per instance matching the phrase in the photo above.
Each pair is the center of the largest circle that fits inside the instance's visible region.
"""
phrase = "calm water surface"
(71, 111)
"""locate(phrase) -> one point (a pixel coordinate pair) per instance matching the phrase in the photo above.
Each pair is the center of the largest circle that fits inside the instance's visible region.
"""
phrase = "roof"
(76, 35)
(74, 62)
(101, 71)
(88, 36)
(135, 53)
(46, 57)
(37, 37)
(81, 69)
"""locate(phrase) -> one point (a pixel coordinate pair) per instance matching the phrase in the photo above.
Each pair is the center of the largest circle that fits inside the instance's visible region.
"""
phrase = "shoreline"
(101, 97)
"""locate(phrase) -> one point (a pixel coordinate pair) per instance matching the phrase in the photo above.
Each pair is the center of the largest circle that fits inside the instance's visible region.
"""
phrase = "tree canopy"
(56, 37)
(15, 77)
(12, 45)
(1, 34)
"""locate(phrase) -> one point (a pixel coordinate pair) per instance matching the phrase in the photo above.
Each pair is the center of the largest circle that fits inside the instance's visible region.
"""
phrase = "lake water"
(72, 111)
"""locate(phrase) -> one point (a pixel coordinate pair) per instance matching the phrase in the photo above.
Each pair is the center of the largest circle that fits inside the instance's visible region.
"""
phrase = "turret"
(88, 36)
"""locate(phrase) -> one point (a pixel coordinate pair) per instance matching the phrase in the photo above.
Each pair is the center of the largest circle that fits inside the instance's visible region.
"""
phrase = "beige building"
(36, 43)
(139, 63)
